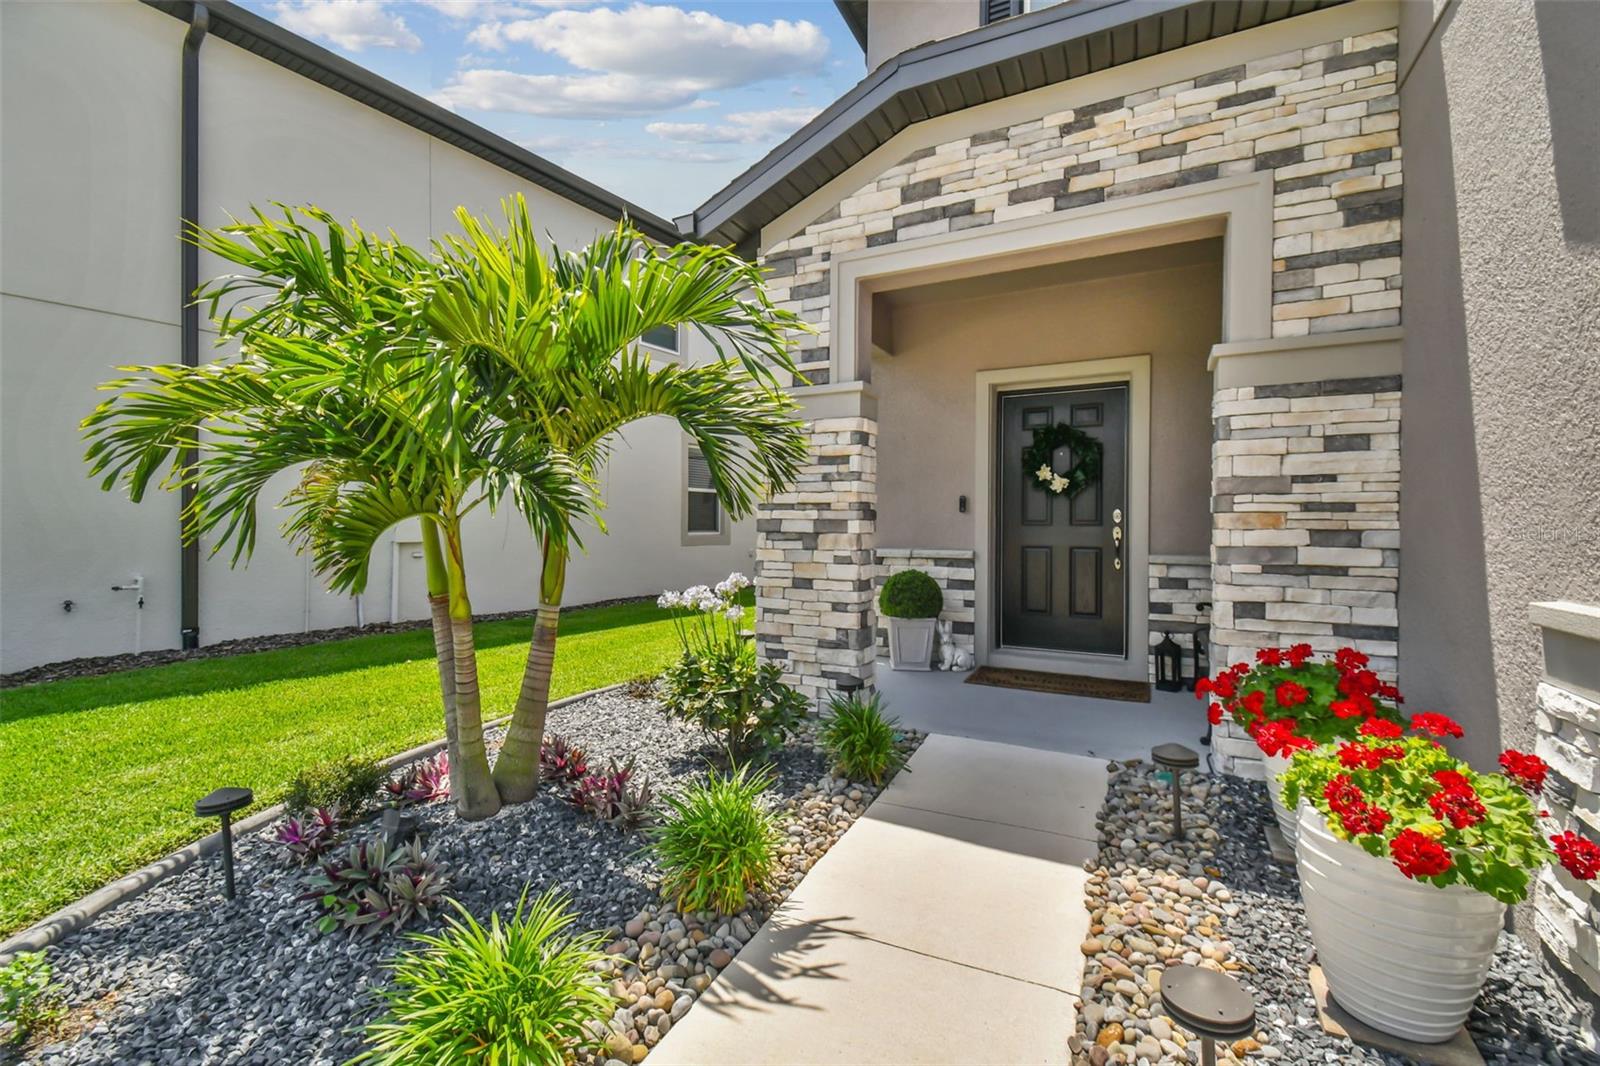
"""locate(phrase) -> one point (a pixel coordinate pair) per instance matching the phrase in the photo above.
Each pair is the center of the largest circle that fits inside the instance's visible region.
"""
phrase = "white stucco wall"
(89, 275)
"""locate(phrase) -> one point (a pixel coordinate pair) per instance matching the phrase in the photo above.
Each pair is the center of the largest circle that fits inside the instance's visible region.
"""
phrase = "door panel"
(1063, 576)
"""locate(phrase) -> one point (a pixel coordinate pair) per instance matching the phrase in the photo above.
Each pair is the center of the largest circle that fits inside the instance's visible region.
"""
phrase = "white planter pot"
(1277, 764)
(1403, 956)
(911, 643)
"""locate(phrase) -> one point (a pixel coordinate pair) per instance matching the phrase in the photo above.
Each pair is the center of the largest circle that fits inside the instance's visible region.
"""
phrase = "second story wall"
(895, 25)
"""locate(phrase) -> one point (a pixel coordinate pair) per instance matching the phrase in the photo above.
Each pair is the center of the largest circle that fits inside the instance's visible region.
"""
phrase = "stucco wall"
(895, 25)
(926, 391)
(1502, 351)
(89, 270)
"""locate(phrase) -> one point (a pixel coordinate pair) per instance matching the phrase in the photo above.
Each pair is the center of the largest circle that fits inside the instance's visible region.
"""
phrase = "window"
(663, 337)
(704, 513)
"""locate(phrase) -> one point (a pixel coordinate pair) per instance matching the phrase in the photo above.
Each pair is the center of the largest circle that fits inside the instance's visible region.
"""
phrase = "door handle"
(1116, 539)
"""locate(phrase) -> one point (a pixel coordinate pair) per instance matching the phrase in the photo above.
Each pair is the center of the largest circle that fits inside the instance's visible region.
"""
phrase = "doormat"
(1095, 688)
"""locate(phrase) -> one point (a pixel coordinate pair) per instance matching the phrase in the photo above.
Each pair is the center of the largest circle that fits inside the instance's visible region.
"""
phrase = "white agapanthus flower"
(734, 613)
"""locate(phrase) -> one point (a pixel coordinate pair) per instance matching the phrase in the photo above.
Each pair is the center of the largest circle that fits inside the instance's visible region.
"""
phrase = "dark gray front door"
(1063, 561)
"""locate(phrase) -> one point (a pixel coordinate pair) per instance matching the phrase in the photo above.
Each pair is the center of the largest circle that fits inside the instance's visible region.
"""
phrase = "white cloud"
(661, 41)
(351, 24)
(562, 95)
(742, 127)
(599, 147)
(463, 10)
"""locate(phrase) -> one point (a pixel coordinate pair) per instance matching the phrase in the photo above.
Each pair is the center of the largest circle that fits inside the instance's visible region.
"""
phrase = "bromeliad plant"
(370, 888)
(305, 838)
(1437, 819)
(1288, 703)
(614, 797)
(424, 781)
(718, 683)
(517, 993)
(562, 763)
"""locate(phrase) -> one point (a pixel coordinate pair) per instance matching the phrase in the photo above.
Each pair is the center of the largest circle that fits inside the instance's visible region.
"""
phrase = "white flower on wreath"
(1058, 484)
(1045, 474)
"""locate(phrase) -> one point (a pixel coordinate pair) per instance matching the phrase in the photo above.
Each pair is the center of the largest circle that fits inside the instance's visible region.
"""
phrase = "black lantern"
(1169, 665)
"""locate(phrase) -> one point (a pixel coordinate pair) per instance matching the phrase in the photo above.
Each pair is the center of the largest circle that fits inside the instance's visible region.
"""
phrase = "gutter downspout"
(189, 311)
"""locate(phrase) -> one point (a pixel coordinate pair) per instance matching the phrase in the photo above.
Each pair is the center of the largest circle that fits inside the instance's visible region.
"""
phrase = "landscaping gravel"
(180, 976)
(1217, 900)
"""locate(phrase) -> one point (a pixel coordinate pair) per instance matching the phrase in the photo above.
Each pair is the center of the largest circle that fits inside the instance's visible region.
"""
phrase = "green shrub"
(30, 1002)
(717, 842)
(349, 784)
(727, 691)
(860, 739)
(517, 992)
(910, 594)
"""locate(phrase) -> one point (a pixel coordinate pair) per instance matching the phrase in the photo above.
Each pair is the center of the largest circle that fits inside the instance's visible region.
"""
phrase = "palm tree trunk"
(516, 771)
(443, 648)
(470, 782)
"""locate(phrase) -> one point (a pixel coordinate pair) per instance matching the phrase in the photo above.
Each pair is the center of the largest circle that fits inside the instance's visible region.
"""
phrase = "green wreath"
(1038, 461)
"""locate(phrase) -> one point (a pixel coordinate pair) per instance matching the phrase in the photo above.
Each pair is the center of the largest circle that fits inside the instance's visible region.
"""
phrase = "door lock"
(1116, 540)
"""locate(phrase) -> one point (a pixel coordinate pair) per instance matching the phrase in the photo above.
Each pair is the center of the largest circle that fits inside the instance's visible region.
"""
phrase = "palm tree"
(555, 340)
(335, 378)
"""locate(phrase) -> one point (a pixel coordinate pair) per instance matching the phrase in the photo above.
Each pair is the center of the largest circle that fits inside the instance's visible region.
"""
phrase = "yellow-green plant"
(860, 739)
(718, 841)
(517, 993)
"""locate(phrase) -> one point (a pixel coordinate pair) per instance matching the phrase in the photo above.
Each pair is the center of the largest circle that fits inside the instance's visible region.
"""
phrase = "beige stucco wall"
(89, 273)
(926, 390)
(1501, 492)
(895, 25)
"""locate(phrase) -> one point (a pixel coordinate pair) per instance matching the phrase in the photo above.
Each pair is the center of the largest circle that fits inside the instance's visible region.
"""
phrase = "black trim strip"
(189, 310)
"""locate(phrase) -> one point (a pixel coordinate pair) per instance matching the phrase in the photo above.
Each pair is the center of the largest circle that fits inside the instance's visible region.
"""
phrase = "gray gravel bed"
(179, 976)
(1522, 1017)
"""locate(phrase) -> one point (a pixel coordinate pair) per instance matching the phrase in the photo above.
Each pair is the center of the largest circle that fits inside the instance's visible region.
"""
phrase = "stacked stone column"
(815, 564)
(1305, 526)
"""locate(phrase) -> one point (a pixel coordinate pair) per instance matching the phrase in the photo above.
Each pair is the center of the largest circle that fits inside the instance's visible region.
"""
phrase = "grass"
(103, 772)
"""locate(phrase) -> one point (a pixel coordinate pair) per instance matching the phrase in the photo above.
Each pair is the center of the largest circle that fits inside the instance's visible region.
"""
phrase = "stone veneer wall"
(1324, 120)
(1306, 526)
(815, 563)
(1567, 911)
(956, 573)
(1180, 585)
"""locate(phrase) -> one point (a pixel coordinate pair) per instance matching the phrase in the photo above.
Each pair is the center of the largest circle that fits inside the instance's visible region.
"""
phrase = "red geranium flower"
(1418, 855)
(1278, 737)
(1359, 683)
(1579, 856)
(1298, 654)
(1342, 794)
(1390, 693)
(1362, 818)
(1526, 770)
(1255, 704)
(1289, 694)
(1381, 728)
(1452, 779)
(1269, 657)
(1348, 659)
(1347, 708)
(1214, 714)
(1436, 724)
(1458, 805)
(1354, 756)
(1222, 685)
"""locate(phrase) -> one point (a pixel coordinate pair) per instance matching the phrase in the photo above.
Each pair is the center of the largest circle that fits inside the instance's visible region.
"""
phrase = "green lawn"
(102, 772)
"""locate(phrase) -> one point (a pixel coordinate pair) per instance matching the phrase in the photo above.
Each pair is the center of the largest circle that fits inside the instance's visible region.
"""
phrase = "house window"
(663, 337)
(704, 512)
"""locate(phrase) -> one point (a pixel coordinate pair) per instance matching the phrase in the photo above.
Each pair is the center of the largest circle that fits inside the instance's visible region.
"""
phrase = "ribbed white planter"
(1277, 764)
(1403, 956)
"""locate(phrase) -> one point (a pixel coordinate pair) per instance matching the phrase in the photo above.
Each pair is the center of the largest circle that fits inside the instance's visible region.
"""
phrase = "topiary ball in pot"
(911, 601)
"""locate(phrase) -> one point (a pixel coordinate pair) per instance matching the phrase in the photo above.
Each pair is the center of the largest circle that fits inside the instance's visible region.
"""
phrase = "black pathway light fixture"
(1175, 759)
(222, 803)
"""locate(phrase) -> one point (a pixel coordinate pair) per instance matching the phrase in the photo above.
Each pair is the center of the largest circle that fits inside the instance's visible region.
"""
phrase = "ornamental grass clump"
(1437, 819)
(517, 993)
(719, 683)
(1288, 703)
(348, 784)
(860, 739)
(717, 842)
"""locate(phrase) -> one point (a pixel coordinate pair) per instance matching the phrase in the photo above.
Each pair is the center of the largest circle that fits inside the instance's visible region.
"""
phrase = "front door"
(1063, 560)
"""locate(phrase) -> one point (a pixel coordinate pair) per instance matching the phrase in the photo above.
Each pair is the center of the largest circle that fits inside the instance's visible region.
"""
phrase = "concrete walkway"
(937, 702)
(943, 928)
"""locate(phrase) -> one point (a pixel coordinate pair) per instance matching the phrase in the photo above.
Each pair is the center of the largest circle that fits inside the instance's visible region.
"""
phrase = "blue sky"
(662, 103)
